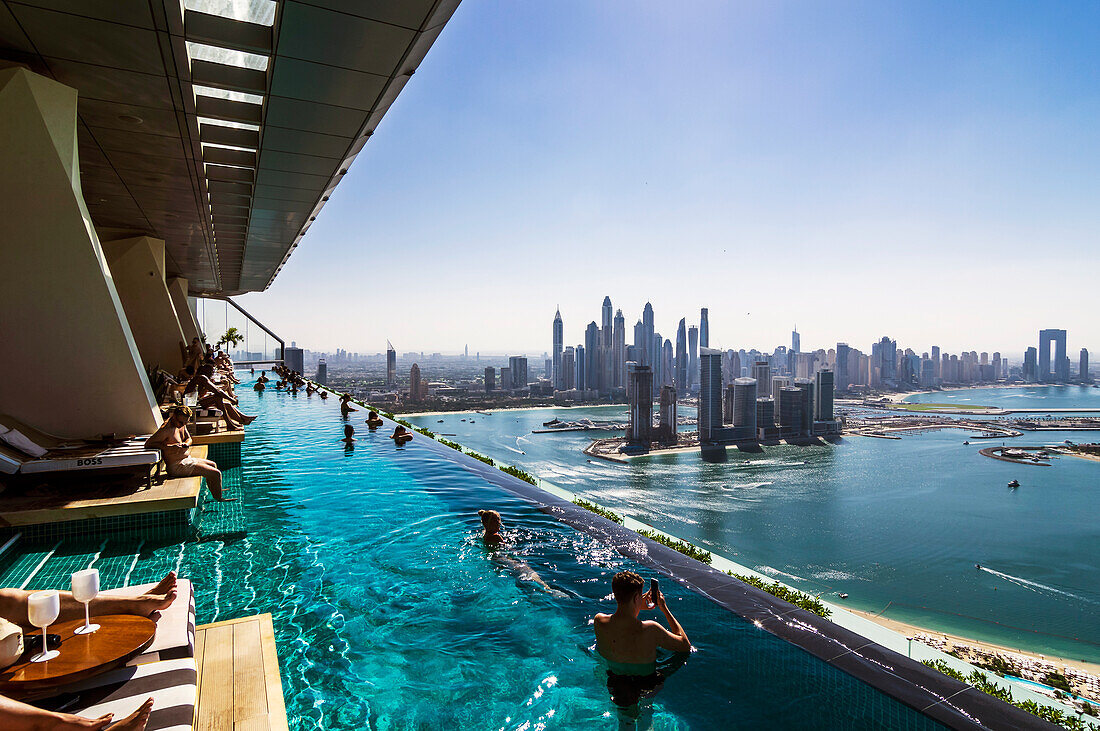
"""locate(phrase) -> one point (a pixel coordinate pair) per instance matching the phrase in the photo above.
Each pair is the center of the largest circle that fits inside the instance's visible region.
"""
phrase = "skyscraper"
(778, 384)
(607, 341)
(704, 328)
(682, 357)
(656, 344)
(391, 365)
(640, 421)
(569, 370)
(414, 384)
(796, 341)
(559, 343)
(641, 345)
(888, 355)
(693, 356)
(592, 356)
(651, 356)
(806, 406)
(668, 362)
(580, 378)
(762, 372)
(618, 352)
(823, 395)
(1061, 359)
(744, 404)
(1084, 366)
(490, 379)
(605, 316)
(506, 379)
(667, 424)
(790, 412)
(843, 378)
(1031, 365)
(293, 357)
(517, 364)
(322, 372)
(710, 395)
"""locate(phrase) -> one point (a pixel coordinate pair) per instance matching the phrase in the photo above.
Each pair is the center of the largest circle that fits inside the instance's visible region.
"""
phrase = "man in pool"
(374, 420)
(629, 645)
(345, 404)
(400, 435)
(349, 436)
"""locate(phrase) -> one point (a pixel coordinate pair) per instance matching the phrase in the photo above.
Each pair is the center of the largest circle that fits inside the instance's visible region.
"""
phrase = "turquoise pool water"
(390, 615)
(896, 524)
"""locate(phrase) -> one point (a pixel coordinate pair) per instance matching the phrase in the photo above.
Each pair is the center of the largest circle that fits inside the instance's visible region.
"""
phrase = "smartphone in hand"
(654, 591)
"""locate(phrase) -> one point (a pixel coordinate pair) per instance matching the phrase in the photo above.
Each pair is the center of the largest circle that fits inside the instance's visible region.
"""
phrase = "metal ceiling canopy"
(221, 126)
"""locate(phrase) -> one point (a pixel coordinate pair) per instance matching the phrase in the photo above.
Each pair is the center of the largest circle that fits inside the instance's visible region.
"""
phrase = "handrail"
(282, 343)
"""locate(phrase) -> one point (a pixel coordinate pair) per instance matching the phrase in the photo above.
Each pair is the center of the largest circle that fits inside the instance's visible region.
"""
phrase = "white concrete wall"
(68, 362)
(137, 267)
(177, 289)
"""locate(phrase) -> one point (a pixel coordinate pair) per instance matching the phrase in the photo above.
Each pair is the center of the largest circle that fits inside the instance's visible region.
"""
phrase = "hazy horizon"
(926, 172)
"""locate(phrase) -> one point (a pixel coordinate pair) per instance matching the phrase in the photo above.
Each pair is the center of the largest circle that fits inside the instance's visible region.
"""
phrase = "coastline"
(510, 408)
(910, 629)
(900, 397)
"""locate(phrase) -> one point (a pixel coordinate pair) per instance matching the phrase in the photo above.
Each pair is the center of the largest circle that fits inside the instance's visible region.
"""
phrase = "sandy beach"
(909, 630)
(507, 408)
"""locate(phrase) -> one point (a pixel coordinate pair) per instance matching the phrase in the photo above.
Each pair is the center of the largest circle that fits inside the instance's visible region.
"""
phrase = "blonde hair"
(483, 514)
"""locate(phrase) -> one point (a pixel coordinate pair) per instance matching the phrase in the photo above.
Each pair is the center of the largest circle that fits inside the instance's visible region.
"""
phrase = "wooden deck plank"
(219, 437)
(276, 705)
(239, 683)
(214, 710)
(249, 691)
(102, 499)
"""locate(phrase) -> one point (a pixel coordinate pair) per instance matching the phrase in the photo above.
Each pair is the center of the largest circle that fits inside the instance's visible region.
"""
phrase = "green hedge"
(449, 443)
(592, 507)
(517, 472)
(425, 431)
(798, 598)
(481, 458)
(981, 681)
(677, 545)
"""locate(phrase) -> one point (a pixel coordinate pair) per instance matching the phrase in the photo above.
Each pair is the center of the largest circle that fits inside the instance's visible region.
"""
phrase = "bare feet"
(159, 597)
(135, 721)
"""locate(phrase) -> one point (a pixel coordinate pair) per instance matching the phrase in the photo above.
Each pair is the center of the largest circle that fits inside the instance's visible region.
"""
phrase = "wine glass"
(42, 609)
(85, 589)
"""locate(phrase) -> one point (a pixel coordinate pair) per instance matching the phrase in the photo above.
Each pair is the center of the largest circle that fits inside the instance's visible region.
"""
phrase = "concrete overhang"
(221, 126)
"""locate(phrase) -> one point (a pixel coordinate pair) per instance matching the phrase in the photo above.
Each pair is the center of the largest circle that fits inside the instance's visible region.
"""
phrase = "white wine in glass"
(85, 589)
(42, 609)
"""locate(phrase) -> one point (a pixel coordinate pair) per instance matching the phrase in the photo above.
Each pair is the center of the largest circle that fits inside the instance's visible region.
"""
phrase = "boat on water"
(440, 421)
(1014, 483)
(966, 442)
(843, 595)
(978, 566)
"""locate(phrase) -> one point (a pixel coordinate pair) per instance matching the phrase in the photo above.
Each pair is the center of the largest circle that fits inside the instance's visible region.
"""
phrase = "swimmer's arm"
(676, 640)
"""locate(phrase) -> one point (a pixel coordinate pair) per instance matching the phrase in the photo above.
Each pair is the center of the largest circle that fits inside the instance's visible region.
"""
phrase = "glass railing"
(251, 340)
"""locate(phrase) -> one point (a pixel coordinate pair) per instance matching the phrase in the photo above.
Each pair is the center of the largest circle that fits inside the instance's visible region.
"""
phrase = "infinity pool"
(389, 614)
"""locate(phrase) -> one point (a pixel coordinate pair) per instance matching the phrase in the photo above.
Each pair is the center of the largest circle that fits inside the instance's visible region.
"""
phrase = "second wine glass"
(85, 589)
(42, 609)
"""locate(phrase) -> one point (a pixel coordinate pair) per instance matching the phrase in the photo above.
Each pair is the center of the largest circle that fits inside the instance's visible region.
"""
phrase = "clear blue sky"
(927, 170)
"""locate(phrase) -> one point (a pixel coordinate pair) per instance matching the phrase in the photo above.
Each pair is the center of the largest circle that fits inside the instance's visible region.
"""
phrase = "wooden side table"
(120, 638)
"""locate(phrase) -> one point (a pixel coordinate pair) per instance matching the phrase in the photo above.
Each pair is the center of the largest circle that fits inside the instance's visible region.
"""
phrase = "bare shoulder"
(602, 618)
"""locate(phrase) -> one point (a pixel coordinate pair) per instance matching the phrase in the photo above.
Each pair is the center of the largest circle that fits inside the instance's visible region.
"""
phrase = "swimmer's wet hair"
(485, 513)
(625, 585)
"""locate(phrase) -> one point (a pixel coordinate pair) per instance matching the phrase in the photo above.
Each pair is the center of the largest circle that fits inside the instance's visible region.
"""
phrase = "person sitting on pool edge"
(174, 442)
(374, 420)
(629, 645)
(400, 435)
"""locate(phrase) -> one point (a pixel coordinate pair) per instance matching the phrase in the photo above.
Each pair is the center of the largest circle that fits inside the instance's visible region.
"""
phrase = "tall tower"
(693, 356)
(704, 328)
(1084, 366)
(639, 427)
(762, 372)
(651, 356)
(592, 356)
(559, 344)
(618, 352)
(414, 383)
(391, 364)
(796, 341)
(744, 404)
(682, 357)
(322, 371)
(823, 395)
(710, 395)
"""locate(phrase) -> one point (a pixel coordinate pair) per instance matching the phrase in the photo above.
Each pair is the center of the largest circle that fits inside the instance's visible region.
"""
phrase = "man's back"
(625, 639)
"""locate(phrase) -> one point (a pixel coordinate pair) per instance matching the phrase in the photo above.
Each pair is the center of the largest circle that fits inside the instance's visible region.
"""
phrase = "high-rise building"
(293, 357)
(559, 344)
(517, 365)
(651, 356)
(778, 384)
(704, 328)
(693, 356)
(796, 341)
(592, 356)
(490, 379)
(639, 425)
(1061, 359)
(568, 370)
(762, 372)
(548, 370)
(790, 412)
(996, 363)
(668, 362)
(415, 393)
(1031, 365)
(391, 365)
(1083, 367)
(656, 353)
(765, 414)
(935, 362)
(322, 372)
(888, 359)
(744, 404)
(618, 352)
(710, 395)
(580, 378)
(606, 317)
(506, 379)
(667, 424)
(823, 395)
(682, 356)
(843, 376)
(641, 345)
(732, 366)
(806, 393)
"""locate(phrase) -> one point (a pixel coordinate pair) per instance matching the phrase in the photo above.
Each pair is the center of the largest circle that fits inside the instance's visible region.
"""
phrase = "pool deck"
(238, 676)
(218, 437)
(102, 500)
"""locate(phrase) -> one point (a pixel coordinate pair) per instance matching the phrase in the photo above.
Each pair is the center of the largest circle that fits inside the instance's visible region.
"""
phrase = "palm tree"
(232, 338)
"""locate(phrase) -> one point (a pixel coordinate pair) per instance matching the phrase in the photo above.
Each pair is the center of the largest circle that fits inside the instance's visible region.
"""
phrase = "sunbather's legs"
(213, 476)
(13, 604)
